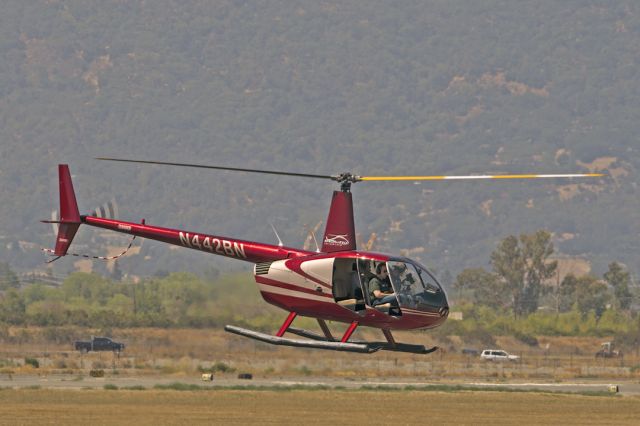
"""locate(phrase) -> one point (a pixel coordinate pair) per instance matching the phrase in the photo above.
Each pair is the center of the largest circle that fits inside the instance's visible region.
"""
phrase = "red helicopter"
(329, 284)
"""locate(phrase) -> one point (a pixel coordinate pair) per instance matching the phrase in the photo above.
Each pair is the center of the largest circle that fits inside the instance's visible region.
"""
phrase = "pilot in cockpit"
(380, 287)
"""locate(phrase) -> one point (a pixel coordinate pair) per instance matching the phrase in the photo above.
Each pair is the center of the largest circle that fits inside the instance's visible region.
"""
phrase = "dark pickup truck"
(99, 344)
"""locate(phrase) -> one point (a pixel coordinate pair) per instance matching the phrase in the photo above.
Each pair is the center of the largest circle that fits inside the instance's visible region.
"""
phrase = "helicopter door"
(347, 289)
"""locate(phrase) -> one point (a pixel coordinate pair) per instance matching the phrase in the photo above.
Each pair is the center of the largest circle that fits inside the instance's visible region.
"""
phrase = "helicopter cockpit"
(414, 286)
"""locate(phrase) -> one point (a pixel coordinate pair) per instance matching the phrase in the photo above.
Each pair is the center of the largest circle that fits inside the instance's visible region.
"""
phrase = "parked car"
(98, 344)
(470, 352)
(498, 355)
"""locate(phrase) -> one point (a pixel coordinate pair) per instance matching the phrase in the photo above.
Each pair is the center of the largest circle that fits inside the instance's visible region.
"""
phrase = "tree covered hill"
(376, 87)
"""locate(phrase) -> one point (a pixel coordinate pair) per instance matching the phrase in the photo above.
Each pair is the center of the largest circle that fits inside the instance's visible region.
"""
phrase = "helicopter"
(329, 284)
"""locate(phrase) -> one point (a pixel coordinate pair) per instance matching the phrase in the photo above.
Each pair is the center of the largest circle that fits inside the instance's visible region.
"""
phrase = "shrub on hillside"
(32, 362)
(526, 338)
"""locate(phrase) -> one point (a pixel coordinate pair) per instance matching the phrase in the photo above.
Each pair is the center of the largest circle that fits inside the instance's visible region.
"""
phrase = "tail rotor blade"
(55, 217)
(108, 210)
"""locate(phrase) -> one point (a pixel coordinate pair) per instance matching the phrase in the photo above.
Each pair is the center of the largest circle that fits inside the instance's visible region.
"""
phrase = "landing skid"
(385, 346)
(327, 341)
(275, 340)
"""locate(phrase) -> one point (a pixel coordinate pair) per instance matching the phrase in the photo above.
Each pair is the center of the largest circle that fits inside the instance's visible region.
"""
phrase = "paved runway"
(83, 382)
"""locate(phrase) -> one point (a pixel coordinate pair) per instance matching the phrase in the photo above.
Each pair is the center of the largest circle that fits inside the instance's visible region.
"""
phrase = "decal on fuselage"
(213, 245)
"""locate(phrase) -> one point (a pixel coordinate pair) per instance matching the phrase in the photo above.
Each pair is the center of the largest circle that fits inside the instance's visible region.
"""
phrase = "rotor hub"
(345, 180)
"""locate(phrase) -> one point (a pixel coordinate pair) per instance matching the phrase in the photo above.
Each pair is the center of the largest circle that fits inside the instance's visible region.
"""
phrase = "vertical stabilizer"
(339, 234)
(69, 214)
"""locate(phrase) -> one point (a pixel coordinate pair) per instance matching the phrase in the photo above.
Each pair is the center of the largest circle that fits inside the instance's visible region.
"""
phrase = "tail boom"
(229, 247)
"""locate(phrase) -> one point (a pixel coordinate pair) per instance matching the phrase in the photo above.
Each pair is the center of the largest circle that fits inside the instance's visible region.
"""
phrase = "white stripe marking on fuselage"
(292, 293)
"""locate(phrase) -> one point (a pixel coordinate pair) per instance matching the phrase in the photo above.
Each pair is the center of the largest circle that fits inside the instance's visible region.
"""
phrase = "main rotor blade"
(235, 169)
(472, 177)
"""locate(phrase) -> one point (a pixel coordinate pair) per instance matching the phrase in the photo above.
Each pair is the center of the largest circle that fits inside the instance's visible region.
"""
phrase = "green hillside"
(376, 87)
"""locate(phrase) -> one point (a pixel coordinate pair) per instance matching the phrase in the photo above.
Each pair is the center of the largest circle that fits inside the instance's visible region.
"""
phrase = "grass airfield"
(157, 381)
(311, 406)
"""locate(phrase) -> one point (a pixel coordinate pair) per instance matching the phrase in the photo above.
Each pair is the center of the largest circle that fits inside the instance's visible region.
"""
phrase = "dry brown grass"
(98, 407)
(180, 353)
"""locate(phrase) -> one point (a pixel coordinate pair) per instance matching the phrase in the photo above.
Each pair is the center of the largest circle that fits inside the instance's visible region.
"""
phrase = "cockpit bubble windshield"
(414, 285)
